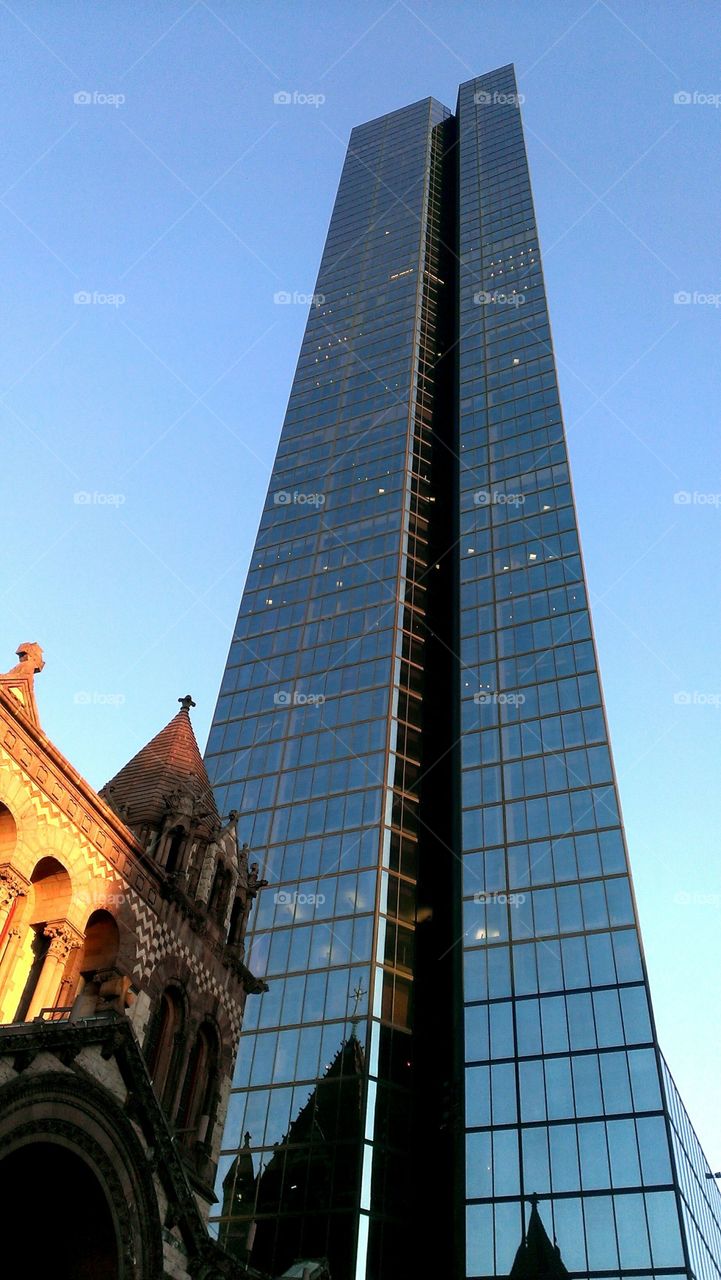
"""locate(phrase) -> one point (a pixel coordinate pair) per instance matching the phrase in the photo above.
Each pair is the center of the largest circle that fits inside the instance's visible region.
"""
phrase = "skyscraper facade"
(411, 725)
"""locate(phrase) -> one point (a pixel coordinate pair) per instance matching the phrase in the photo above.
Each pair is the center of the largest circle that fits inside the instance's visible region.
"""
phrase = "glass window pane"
(478, 1165)
(582, 1031)
(644, 1079)
(568, 1227)
(595, 1173)
(559, 1088)
(528, 1027)
(553, 1021)
(564, 1157)
(536, 1169)
(524, 969)
(506, 1176)
(550, 972)
(499, 972)
(479, 1240)
(616, 1088)
(533, 1106)
(632, 1232)
(575, 963)
(608, 1018)
(508, 1232)
(623, 1153)
(501, 1027)
(587, 1085)
(634, 1007)
(653, 1145)
(666, 1248)
(477, 1041)
(478, 1095)
(503, 1093)
(600, 1233)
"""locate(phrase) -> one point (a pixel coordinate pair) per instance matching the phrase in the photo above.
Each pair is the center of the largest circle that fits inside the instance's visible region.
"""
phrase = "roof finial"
(31, 659)
(186, 703)
(355, 1017)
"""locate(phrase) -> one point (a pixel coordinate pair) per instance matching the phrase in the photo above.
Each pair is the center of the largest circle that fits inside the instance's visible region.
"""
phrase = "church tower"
(122, 987)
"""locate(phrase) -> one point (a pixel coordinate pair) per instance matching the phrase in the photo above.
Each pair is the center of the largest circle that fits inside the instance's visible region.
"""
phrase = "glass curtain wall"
(316, 734)
(562, 1087)
(412, 727)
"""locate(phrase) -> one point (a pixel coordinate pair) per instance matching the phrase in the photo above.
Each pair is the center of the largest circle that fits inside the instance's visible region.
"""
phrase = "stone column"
(207, 874)
(7, 967)
(12, 886)
(63, 939)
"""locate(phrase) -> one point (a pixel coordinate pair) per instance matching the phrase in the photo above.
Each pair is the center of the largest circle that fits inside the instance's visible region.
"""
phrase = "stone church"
(122, 987)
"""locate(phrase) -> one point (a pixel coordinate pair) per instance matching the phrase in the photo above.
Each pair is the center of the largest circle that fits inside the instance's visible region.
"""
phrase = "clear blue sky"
(197, 198)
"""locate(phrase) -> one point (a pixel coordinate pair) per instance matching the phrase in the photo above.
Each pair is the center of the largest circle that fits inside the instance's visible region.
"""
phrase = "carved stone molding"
(63, 939)
(12, 885)
(63, 1110)
(109, 1133)
(75, 807)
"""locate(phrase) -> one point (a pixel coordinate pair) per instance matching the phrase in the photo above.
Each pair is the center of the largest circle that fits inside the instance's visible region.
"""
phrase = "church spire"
(537, 1258)
(167, 768)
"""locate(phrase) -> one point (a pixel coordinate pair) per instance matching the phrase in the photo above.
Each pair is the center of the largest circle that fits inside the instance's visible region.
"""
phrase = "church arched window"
(175, 850)
(197, 1104)
(165, 1046)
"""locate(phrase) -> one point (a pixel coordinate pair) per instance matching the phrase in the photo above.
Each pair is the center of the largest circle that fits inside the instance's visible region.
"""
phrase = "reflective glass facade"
(412, 727)
(563, 1095)
(317, 733)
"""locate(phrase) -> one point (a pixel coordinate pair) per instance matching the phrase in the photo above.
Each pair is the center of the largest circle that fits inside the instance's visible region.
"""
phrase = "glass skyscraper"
(412, 727)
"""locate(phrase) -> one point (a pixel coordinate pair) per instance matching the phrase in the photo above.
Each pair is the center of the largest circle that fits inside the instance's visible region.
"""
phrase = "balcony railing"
(54, 1013)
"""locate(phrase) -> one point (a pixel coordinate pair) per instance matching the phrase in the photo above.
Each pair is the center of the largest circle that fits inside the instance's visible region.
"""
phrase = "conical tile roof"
(169, 764)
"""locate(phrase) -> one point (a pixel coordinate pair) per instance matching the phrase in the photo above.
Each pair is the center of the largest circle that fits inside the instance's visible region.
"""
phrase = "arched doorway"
(61, 1220)
(79, 1194)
